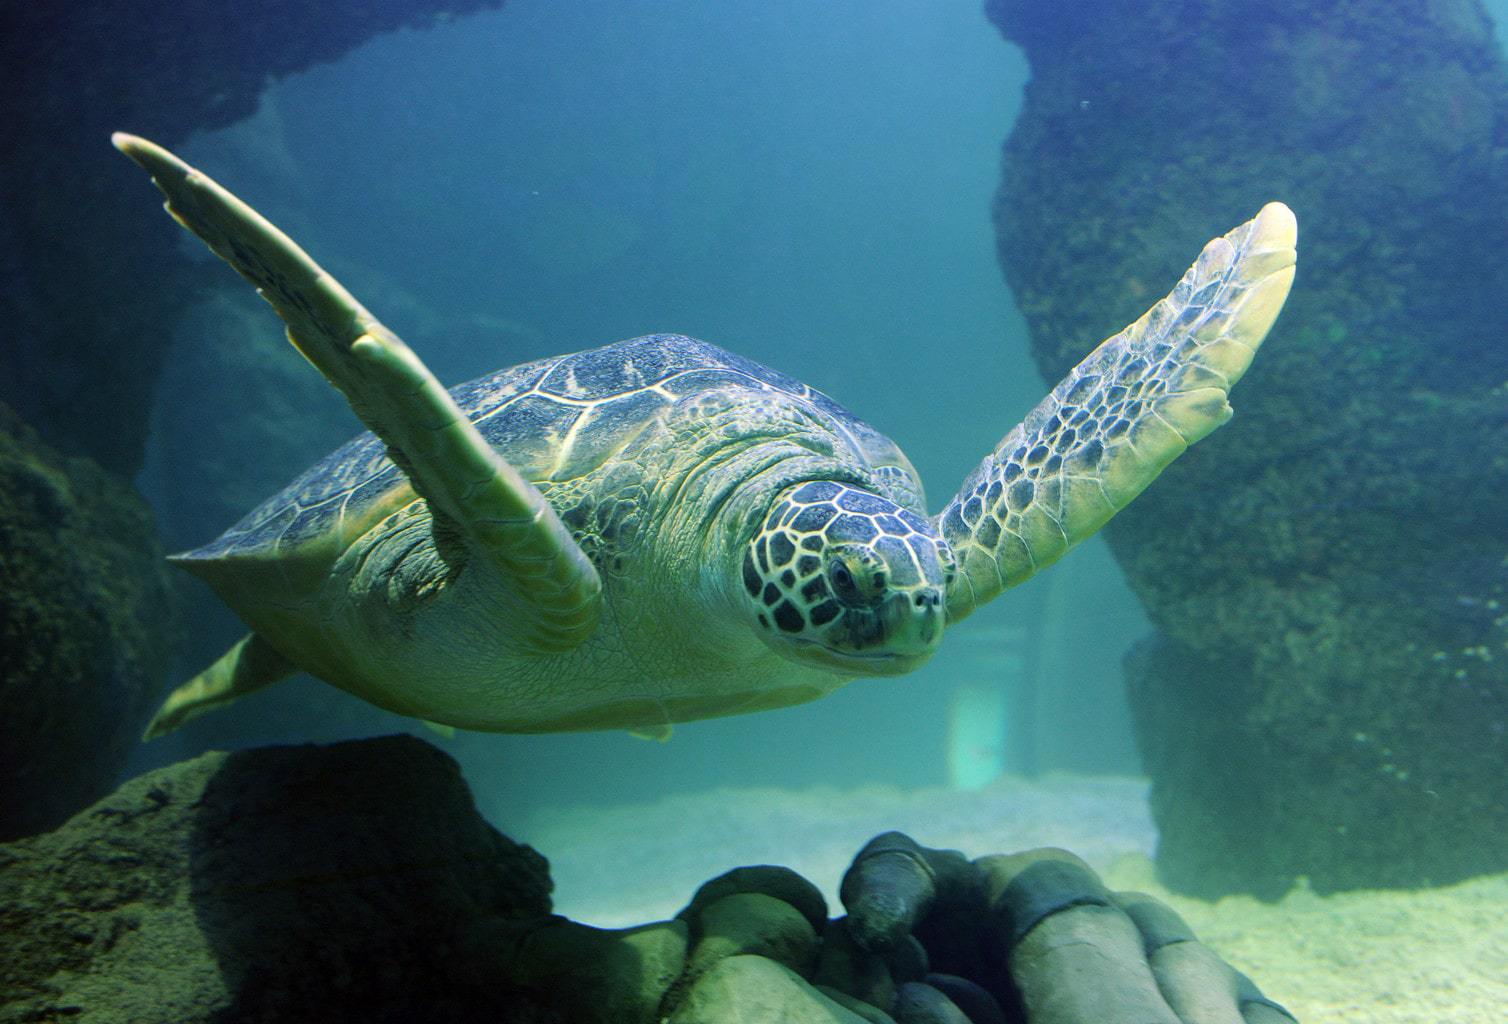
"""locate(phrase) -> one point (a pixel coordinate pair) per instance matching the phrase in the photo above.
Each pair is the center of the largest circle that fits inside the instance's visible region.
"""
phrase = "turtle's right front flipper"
(505, 520)
(1130, 408)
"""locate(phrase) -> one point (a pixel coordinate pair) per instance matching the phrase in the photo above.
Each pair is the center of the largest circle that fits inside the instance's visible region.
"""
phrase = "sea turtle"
(658, 530)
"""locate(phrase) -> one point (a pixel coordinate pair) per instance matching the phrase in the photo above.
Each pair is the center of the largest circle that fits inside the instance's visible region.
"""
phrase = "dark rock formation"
(84, 629)
(90, 280)
(1328, 695)
(350, 882)
(357, 882)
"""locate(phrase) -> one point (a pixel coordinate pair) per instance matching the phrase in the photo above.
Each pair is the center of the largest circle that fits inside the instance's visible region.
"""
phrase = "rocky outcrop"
(355, 881)
(358, 882)
(1328, 693)
(92, 282)
(347, 882)
(85, 628)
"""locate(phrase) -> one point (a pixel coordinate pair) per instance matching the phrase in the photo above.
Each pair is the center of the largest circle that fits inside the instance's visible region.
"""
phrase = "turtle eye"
(843, 582)
(857, 581)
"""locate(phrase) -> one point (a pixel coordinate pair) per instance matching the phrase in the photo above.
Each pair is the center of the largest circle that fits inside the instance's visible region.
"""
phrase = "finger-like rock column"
(357, 881)
(1327, 693)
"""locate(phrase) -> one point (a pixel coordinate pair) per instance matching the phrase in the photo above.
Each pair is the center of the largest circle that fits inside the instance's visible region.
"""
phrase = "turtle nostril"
(927, 598)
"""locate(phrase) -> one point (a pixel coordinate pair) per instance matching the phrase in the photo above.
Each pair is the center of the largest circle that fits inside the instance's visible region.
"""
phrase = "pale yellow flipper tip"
(152, 158)
(655, 733)
(439, 728)
(1275, 228)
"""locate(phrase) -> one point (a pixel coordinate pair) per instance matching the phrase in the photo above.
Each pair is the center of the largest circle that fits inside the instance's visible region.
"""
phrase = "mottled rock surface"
(93, 283)
(593, 975)
(751, 922)
(767, 879)
(753, 990)
(1328, 694)
(85, 624)
(358, 882)
(285, 883)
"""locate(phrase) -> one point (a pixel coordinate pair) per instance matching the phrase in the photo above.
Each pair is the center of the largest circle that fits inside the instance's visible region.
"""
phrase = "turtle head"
(848, 580)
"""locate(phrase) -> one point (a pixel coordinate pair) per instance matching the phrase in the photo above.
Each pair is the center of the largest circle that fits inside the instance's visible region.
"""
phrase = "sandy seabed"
(1434, 956)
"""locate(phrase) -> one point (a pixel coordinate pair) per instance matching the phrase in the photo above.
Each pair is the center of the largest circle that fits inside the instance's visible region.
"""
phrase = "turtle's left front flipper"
(1130, 408)
(468, 486)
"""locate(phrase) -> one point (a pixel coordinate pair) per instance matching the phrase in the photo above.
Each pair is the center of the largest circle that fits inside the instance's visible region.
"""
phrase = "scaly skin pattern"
(840, 569)
(1113, 424)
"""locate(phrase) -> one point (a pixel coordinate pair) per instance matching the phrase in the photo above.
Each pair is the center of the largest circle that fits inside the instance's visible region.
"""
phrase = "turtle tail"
(250, 665)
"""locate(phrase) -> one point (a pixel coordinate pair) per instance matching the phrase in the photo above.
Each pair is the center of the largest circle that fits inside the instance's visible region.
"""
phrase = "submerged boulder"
(85, 629)
(1328, 692)
(357, 882)
(750, 989)
(283, 883)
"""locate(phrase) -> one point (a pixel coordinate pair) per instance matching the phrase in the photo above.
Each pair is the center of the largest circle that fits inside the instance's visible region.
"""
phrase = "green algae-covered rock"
(1328, 693)
(770, 879)
(356, 882)
(848, 967)
(872, 1014)
(751, 922)
(596, 975)
(85, 624)
(918, 1003)
(754, 990)
(285, 883)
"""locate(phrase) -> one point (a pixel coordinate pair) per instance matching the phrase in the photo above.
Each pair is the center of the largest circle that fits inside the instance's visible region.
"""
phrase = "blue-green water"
(807, 185)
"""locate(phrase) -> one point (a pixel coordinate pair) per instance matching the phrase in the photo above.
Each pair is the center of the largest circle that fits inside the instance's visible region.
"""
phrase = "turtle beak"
(899, 635)
(914, 621)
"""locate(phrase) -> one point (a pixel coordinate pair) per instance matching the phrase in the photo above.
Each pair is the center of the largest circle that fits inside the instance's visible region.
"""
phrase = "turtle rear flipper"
(1130, 408)
(468, 486)
(250, 665)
